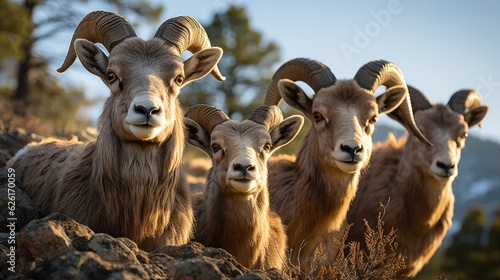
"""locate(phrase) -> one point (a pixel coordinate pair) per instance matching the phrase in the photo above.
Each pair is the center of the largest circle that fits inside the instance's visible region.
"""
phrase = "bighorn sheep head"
(240, 150)
(343, 112)
(447, 126)
(145, 77)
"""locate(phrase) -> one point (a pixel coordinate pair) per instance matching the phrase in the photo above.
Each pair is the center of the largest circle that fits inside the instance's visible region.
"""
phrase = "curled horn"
(186, 33)
(312, 72)
(465, 100)
(102, 27)
(206, 116)
(267, 115)
(376, 73)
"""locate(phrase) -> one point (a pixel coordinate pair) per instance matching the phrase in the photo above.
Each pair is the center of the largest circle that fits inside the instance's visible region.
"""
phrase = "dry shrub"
(378, 261)
(442, 276)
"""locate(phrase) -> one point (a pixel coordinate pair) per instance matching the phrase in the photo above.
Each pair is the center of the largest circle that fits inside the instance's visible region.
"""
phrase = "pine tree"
(492, 267)
(465, 258)
(247, 63)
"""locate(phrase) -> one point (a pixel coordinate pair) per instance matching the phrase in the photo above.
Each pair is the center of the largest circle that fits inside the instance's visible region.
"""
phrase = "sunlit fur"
(236, 219)
(122, 183)
(312, 192)
(421, 197)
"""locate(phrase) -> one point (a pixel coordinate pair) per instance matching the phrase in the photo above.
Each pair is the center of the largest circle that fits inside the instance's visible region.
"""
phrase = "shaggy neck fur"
(434, 196)
(238, 224)
(323, 193)
(137, 186)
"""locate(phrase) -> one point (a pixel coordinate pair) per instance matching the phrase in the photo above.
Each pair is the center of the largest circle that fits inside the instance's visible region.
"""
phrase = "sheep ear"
(391, 99)
(197, 136)
(286, 131)
(92, 58)
(476, 115)
(295, 97)
(201, 63)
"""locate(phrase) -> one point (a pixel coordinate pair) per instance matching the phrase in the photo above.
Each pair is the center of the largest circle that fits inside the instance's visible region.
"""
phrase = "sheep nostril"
(351, 150)
(358, 149)
(155, 110)
(146, 111)
(445, 166)
(243, 168)
(238, 167)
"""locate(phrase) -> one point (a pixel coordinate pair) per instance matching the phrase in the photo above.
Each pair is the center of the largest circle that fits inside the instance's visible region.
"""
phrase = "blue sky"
(441, 46)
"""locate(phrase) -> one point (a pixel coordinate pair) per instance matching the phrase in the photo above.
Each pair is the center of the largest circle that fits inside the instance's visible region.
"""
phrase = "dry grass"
(378, 261)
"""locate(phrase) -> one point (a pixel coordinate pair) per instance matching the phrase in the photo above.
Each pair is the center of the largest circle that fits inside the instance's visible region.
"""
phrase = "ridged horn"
(186, 33)
(267, 115)
(206, 116)
(376, 73)
(312, 72)
(465, 100)
(102, 27)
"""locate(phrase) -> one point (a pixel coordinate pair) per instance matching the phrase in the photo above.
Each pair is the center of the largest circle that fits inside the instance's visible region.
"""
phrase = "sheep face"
(145, 78)
(343, 117)
(240, 151)
(448, 131)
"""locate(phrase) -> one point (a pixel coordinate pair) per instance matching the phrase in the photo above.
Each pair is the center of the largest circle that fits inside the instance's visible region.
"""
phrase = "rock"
(4, 157)
(57, 247)
(23, 210)
(195, 269)
(224, 261)
(87, 265)
(112, 249)
(13, 140)
(51, 236)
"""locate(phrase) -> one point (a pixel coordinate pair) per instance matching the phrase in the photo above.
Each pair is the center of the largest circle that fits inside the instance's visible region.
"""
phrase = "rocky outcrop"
(57, 247)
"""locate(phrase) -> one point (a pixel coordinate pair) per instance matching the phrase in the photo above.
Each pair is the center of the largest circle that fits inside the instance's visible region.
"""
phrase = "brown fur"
(323, 194)
(241, 222)
(310, 192)
(421, 205)
(245, 227)
(123, 189)
(129, 182)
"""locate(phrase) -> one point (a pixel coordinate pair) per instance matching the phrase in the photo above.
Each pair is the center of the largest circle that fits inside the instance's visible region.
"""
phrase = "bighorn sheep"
(312, 191)
(128, 182)
(233, 211)
(417, 178)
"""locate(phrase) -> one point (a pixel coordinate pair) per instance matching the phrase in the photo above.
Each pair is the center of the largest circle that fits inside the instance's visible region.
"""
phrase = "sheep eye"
(215, 147)
(317, 117)
(373, 120)
(111, 77)
(267, 147)
(179, 80)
